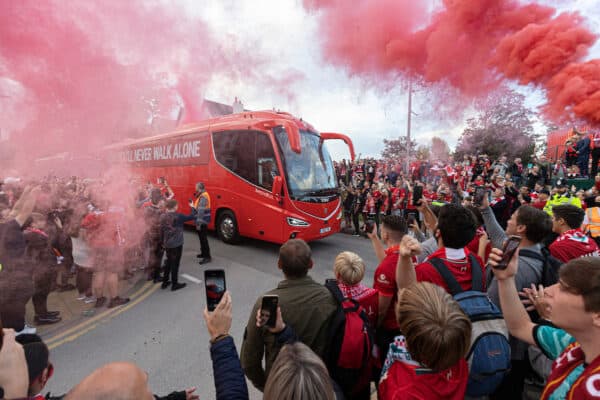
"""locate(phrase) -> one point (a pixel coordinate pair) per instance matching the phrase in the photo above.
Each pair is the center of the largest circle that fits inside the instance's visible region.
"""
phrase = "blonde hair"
(437, 331)
(298, 374)
(349, 267)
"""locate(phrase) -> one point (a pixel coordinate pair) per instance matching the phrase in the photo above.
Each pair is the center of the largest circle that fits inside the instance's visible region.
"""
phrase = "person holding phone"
(573, 339)
(455, 229)
(305, 304)
(227, 370)
(393, 229)
(532, 225)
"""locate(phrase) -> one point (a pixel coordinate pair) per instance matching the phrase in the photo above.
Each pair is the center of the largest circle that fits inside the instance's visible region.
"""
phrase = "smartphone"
(268, 310)
(369, 226)
(410, 220)
(417, 194)
(508, 251)
(480, 192)
(214, 283)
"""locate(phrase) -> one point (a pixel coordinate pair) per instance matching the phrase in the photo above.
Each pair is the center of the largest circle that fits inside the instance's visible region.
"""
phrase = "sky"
(285, 33)
(83, 56)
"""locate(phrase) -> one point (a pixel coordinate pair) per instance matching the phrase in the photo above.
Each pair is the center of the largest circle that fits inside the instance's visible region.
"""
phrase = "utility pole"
(408, 126)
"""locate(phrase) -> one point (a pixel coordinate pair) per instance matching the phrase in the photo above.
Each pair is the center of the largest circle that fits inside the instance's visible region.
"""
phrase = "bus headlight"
(296, 222)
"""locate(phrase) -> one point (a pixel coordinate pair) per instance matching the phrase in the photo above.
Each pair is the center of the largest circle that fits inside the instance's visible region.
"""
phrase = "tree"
(396, 148)
(423, 152)
(505, 126)
(439, 149)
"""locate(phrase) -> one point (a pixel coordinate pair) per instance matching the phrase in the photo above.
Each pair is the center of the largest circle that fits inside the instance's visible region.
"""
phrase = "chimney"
(238, 107)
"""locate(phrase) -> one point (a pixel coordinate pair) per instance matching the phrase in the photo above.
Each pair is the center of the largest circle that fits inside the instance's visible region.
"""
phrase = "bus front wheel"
(227, 228)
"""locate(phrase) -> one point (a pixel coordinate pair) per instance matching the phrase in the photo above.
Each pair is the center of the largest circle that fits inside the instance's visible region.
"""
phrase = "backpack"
(350, 344)
(550, 268)
(489, 353)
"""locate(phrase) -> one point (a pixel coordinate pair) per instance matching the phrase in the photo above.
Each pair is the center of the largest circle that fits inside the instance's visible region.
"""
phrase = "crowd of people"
(373, 188)
(75, 235)
(442, 235)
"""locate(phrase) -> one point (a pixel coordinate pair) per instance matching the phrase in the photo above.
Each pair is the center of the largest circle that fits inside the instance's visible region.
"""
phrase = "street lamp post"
(408, 121)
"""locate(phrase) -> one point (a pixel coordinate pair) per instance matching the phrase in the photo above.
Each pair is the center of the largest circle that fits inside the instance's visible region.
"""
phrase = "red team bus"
(269, 175)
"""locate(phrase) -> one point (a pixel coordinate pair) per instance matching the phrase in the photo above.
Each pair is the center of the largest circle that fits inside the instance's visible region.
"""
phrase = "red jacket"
(102, 229)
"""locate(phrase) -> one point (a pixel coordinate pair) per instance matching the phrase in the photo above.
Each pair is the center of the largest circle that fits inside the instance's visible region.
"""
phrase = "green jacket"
(558, 200)
(307, 307)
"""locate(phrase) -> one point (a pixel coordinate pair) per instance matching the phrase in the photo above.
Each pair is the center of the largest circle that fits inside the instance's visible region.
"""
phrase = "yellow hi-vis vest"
(593, 226)
(204, 214)
(558, 200)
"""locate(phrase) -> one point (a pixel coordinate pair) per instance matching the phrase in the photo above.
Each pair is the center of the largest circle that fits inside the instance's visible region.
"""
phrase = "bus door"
(250, 168)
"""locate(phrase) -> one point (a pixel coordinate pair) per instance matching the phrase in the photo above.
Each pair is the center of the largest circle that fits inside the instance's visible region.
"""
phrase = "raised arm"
(377, 245)
(227, 370)
(405, 270)
(429, 217)
(516, 317)
(495, 232)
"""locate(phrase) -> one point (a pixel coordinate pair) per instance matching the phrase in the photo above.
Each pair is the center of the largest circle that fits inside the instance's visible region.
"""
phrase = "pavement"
(79, 317)
(164, 332)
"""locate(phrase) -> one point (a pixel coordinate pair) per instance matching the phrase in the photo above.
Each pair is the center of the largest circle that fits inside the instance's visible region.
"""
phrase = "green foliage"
(439, 149)
(504, 126)
(396, 148)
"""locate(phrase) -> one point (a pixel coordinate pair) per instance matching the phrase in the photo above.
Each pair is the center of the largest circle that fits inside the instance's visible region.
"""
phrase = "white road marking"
(192, 278)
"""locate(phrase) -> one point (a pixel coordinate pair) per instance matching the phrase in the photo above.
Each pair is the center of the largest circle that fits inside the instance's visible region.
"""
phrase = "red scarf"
(38, 231)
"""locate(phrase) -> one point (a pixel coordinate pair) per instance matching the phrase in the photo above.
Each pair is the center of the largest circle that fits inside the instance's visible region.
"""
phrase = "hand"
(414, 227)
(190, 395)
(485, 202)
(484, 239)
(409, 247)
(373, 234)
(510, 271)
(218, 322)
(534, 299)
(13, 367)
(279, 324)
(422, 205)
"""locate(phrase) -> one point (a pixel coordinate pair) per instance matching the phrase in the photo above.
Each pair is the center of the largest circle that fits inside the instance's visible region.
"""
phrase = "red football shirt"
(404, 378)
(573, 244)
(461, 269)
(367, 297)
(473, 245)
(385, 283)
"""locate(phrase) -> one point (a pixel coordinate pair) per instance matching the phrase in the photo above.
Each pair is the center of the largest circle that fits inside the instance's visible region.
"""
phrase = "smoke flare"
(472, 45)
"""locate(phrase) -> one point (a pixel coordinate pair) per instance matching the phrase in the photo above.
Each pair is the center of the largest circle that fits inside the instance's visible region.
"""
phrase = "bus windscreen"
(310, 172)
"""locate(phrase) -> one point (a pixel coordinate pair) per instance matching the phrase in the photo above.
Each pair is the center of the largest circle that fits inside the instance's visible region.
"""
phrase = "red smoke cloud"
(86, 70)
(575, 92)
(356, 35)
(471, 45)
(539, 51)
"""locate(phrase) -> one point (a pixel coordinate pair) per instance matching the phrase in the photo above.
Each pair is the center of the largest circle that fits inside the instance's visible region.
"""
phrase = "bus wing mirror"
(293, 136)
(340, 136)
(291, 129)
(277, 186)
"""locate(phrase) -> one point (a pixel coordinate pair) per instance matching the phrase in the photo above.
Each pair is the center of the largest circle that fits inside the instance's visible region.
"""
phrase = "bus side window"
(235, 150)
(266, 163)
